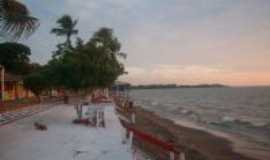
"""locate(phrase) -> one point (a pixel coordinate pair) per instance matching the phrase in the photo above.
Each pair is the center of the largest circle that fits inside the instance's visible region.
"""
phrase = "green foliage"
(61, 48)
(85, 66)
(37, 82)
(15, 58)
(66, 27)
(105, 39)
(88, 65)
(15, 19)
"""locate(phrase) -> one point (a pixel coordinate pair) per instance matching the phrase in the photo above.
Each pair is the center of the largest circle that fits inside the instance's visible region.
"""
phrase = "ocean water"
(244, 111)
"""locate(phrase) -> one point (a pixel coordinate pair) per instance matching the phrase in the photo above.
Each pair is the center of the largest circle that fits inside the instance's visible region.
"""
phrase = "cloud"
(165, 74)
(170, 74)
(177, 37)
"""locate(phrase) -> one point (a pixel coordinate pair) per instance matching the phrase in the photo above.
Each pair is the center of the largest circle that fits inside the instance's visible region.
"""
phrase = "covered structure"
(120, 89)
(12, 87)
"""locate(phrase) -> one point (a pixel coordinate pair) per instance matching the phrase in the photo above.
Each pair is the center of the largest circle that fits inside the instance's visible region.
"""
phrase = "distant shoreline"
(171, 86)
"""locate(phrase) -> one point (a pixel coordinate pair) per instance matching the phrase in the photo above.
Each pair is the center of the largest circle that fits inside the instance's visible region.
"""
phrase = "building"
(120, 89)
(12, 87)
(2, 80)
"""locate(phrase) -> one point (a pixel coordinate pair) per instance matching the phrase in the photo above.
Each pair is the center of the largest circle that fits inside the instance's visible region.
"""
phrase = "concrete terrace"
(63, 140)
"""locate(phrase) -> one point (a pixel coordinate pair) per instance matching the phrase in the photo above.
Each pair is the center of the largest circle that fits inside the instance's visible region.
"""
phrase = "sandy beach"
(195, 141)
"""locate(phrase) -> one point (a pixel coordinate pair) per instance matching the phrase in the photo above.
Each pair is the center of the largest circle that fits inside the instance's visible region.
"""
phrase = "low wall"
(21, 103)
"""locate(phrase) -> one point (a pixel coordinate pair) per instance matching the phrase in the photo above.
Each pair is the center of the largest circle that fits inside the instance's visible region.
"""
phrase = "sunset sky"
(171, 41)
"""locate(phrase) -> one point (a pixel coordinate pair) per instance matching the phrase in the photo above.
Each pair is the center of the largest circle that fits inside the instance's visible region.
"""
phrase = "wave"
(238, 124)
(225, 123)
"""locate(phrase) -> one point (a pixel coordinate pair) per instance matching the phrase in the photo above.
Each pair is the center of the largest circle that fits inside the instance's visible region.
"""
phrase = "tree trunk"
(69, 42)
(39, 99)
(66, 99)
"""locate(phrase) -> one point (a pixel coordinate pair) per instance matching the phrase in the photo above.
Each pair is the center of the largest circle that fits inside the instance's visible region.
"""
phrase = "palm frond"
(58, 31)
(74, 23)
(74, 31)
(65, 21)
(15, 19)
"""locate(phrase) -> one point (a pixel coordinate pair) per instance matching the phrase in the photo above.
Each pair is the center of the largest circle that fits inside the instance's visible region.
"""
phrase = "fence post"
(123, 135)
(182, 156)
(172, 155)
(131, 138)
(97, 118)
(133, 118)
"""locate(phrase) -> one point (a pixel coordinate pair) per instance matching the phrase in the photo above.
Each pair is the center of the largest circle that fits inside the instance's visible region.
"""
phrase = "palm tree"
(15, 19)
(66, 27)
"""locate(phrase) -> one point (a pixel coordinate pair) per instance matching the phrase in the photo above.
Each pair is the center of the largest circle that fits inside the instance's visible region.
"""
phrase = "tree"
(89, 65)
(15, 19)
(104, 38)
(110, 68)
(15, 58)
(66, 27)
(60, 50)
(37, 82)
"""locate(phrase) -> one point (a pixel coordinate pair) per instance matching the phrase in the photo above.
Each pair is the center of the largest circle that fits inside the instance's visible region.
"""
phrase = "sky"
(171, 41)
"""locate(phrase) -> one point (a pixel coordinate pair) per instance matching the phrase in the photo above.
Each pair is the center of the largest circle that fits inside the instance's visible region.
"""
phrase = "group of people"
(98, 96)
(92, 109)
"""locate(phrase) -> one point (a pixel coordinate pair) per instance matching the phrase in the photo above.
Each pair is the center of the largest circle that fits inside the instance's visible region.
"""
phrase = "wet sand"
(239, 144)
(196, 142)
